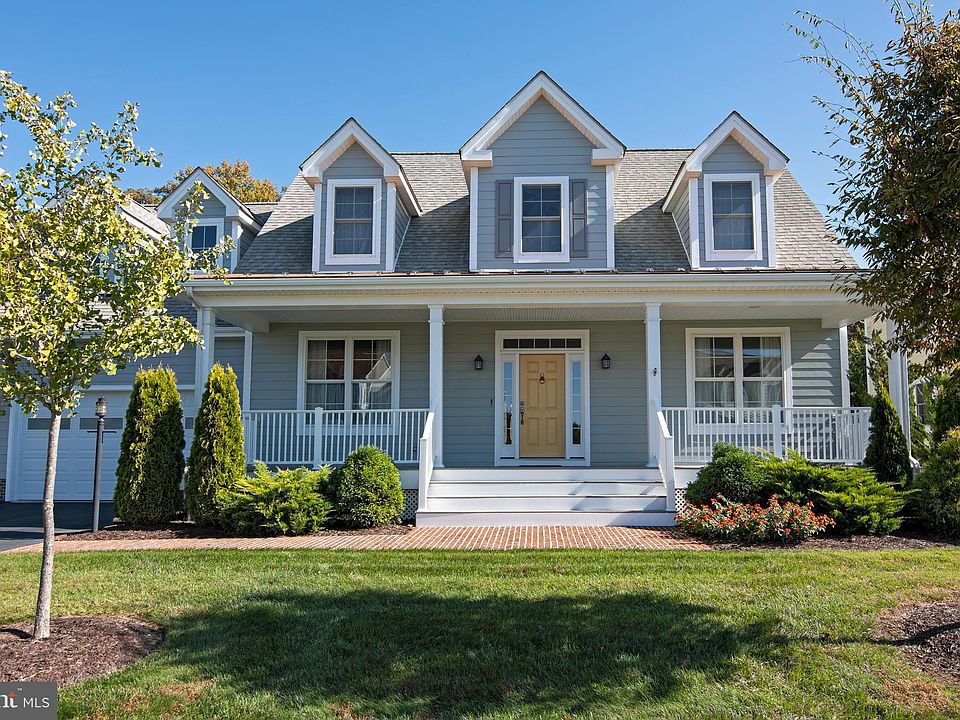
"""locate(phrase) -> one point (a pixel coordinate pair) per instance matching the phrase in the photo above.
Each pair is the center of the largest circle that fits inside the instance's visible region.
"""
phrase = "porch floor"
(421, 538)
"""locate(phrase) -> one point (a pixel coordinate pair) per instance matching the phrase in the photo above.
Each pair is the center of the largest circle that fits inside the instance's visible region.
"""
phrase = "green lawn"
(502, 635)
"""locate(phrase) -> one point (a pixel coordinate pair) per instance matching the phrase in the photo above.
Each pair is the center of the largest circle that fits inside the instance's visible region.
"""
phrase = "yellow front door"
(541, 397)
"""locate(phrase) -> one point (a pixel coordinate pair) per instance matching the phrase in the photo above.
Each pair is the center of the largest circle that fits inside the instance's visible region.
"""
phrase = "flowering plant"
(774, 522)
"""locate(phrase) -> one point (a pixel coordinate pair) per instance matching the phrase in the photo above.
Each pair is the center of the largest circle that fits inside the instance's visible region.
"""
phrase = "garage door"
(76, 453)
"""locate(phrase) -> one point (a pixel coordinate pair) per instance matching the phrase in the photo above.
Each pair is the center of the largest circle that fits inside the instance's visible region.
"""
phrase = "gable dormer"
(222, 214)
(362, 203)
(541, 175)
(722, 198)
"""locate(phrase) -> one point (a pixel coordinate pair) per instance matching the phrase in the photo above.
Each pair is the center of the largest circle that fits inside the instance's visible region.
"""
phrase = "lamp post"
(101, 413)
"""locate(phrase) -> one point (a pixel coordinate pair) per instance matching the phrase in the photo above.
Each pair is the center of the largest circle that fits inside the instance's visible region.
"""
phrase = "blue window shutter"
(504, 218)
(578, 218)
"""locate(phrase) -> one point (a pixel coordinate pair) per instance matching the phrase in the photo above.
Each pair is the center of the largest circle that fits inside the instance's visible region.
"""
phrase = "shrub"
(887, 452)
(936, 498)
(367, 489)
(733, 473)
(285, 502)
(774, 522)
(150, 466)
(216, 460)
(946, 408)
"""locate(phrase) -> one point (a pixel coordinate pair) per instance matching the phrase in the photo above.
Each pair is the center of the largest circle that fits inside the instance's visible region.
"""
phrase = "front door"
(542, 409)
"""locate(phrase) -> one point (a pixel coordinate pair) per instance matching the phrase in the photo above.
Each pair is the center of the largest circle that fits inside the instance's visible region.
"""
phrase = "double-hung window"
(205, 235)
(353, 222)
(732, 216)
(348, 371)
(541, 219)
(738, 369)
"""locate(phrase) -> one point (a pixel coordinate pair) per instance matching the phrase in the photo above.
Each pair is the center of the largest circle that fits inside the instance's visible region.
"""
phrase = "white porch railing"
(819, 434)
(427, 457)
(666, 461)
(325, 437)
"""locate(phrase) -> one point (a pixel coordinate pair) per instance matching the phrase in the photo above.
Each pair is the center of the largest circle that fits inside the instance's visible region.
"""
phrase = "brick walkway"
(428, 538)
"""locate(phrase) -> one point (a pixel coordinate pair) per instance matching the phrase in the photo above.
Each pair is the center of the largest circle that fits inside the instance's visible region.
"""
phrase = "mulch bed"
(928, 634)
(897, 541)
(78, 649)
(182, 529)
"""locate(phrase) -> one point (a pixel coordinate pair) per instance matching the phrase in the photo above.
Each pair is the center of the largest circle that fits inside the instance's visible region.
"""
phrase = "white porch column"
(436, 380)
(899, 383)
(207, 320)
(654, 377)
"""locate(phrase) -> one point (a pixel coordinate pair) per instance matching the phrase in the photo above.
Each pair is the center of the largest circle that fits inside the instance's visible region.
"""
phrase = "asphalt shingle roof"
(646, 237)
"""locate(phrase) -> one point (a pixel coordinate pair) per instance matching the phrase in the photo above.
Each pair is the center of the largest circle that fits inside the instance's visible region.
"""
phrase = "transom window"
(540, 229)
(348, 372)
(742, 369)
(731, 214)
(353, 221)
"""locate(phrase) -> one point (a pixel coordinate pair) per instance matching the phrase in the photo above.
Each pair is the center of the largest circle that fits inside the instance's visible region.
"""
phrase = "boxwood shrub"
(733, 473)
(367, 489)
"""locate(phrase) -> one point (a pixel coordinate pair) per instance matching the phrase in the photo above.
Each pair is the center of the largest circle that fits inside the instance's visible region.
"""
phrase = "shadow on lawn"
(402, 653)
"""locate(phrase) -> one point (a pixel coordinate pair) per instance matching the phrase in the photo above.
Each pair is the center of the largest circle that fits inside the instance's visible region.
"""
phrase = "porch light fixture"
(478, 363)
(605, 362)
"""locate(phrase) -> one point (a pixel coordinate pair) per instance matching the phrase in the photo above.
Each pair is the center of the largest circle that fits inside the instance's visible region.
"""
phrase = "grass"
(311, 634)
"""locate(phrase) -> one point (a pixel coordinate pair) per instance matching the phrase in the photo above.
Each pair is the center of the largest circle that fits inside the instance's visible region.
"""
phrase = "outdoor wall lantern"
(605, 362)
(478, 363)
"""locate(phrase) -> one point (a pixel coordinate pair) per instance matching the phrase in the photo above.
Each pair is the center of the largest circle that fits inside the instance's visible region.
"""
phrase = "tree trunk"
(41, 623)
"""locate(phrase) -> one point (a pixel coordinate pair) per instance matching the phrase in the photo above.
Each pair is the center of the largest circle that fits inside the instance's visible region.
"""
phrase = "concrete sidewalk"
(429, 538)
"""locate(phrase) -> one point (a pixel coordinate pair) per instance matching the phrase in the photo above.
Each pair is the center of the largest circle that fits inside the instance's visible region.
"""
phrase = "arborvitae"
(151, 462)
(216, 460)
(946, 408)
(887, 452)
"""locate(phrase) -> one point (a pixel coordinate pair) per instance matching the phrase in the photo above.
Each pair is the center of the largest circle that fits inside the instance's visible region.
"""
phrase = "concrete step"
(524, 488)
(430, 518)
(546, 474)
(574, 503)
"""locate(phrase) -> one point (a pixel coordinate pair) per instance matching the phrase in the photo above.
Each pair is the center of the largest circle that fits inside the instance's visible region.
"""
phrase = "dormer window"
(541, 219)
(732, 216)
(205, 235)
(353, 222)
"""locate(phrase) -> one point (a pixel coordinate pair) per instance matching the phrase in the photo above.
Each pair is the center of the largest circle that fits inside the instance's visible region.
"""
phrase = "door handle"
(522, 410)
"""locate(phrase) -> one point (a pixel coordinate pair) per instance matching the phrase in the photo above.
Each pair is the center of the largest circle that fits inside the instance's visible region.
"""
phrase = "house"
(542, 327)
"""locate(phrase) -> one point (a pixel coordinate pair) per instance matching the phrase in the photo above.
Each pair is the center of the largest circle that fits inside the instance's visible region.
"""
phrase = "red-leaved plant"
(774, 522)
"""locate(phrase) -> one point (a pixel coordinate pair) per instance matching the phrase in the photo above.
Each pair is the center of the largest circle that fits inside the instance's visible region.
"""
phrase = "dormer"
(541, 175)
(722, 198)
(362, 203)
(222, 214)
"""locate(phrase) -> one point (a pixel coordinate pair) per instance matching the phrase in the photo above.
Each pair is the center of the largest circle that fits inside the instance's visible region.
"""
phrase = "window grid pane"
(353, 221)
(203, 237)
(540, 220)
(732, 216)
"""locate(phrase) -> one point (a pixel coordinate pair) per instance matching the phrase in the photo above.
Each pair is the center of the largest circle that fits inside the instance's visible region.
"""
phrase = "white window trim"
(332, 258)
(738, 334)
(756, 253)
(349, 338)
(564, 255)
(218, 223)
(502, 452)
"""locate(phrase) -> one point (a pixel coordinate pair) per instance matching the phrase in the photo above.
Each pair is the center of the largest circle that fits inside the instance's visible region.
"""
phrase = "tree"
(887, 450)
(946, 408)
(217, 461)
(234, 176)
(151, 461)
(896, 145)
(82, 290)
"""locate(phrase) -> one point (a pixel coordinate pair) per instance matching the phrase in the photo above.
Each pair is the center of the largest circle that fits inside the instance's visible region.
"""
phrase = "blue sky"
(269, 82)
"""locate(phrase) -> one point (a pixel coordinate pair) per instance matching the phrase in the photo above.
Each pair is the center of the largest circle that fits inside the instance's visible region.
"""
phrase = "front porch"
(541, 411)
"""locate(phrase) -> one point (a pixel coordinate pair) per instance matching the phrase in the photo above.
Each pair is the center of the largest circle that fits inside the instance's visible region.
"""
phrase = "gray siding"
(402, 221)
(213, 208)
(183, 364)
(617, 396)
(730, 157)
(355, 164)
(274, 382)
(542, 142)
(229, 351)
(681, 216)
(815, 351)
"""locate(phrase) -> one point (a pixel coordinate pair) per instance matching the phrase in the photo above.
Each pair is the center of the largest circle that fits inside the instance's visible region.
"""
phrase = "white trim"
(654, 380)
(348, 338)
(738, 334)
(712, 254)
(582, 354)
(611, 218)
(235, 230)
(391, 259)
(769, 180)
(332, 258)
(317, 227)
(436, 359)
(247, 368)
(476, 151)
(542, 257)
(474, 201)
(844, 367)
(694, 220)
